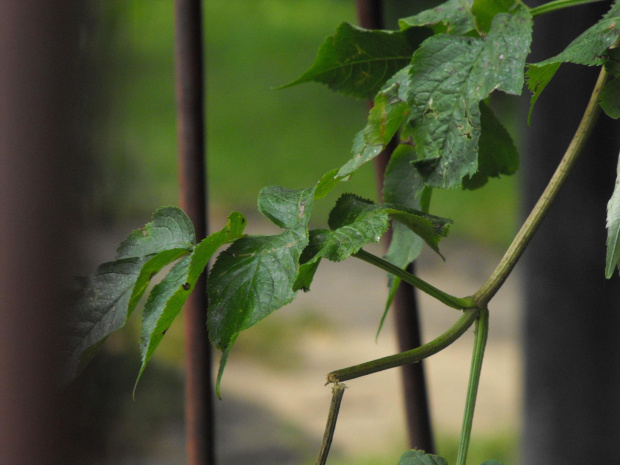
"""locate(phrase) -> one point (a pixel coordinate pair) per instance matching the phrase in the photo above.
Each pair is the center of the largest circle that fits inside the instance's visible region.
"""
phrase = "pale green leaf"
(613, 229)
(358, 62)
(450, 75)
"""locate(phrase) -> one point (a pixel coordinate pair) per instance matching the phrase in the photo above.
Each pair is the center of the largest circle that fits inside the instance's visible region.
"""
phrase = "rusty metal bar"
(199, 408)
(405, 306)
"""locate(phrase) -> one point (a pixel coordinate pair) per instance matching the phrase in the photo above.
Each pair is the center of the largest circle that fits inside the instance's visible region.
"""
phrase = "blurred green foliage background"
(256, 136)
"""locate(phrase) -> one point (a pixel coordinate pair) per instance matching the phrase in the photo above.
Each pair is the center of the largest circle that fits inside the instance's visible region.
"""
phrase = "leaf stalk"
(531, 224)
(557, 5)
(458, 303)
(481, 333)
(411, 356)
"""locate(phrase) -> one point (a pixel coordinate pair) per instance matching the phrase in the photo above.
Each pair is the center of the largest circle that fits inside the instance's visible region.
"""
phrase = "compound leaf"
(357, 62)
(451, 17)
(418, 457)
(613, 229)
(168, 297)
(255, 276)
(108, 297)
(450, 75)
(587, 49)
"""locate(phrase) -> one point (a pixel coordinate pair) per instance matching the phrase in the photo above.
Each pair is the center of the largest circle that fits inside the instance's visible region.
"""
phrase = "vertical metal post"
(40, 186)
(191, 142)
(405, 306)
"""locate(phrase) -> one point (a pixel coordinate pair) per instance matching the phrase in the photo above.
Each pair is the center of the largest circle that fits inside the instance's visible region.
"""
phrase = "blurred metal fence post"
(41, 181)
(405, 306)
(192, 175)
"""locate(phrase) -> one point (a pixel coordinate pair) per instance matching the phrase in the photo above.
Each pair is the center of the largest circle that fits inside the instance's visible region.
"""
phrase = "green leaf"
(587, 49)
(356, 222)
(451, 17)
(485, 11)
(108, 297)
(357, 62)
(610, 98)
(310, 260)
(497, 152)
(402, 185)
(389, 113)
(418, 457)
(171, 228)
(256, 274)
(613, 229)
(450, 75)
(168, 297)
(493, 462)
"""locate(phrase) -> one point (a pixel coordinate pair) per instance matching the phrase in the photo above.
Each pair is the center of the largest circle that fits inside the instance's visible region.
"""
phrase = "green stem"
(557, 5)
(458, 303)
(330, 428)
(410, 356)
(482, 329)
(523, 237)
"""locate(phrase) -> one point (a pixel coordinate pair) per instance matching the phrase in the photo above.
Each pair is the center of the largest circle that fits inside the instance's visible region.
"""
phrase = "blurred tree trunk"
(572, 318)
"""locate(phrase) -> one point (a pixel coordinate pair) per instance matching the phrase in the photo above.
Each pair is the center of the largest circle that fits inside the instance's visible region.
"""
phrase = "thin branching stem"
(523, 237)
(458, 303)
(330, 428)
(481, 332)
(557, 5)
(409, 356)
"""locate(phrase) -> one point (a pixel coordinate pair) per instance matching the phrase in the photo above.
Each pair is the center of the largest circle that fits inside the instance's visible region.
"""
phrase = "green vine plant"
(431, 81)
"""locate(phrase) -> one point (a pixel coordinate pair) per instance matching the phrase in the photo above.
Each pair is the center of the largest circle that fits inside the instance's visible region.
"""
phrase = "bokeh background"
(275, 405)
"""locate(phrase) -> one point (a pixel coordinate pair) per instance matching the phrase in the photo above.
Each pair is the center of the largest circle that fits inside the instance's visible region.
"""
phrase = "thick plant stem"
(557, 5)
(516, 249)
(410, 356)
(330, 428)
(482, 330)
(458, 303)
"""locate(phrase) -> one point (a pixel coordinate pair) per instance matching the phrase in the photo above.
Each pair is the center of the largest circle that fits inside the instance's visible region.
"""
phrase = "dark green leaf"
(610, 98)
(587, 49)
(451, 17)
(168, 297)
(497, 152)
(418, 457)
(108, 298)
(493, 462)
(357, 62)
(450, 75)
(286, 208)
(613, 229)
(256, 274)
(170, 229)
(310, 259)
